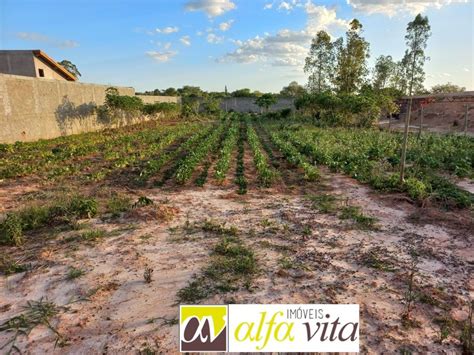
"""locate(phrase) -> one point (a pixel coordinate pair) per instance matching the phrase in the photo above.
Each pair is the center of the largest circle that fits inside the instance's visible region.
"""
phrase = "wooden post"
(405, 141)
(421, 121)
(465, 119)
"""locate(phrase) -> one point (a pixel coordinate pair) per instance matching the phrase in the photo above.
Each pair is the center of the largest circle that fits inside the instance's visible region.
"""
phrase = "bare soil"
(303, 256)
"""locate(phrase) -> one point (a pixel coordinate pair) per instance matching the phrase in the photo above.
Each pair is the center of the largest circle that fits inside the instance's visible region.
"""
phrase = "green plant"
(266, 174)
(118, 204)
(9, 266)
(74, 273)
(92, 235)
(147, 275)
(35, 313)
(143, 201)
(354, 213)
(324, 203)
(11, 231)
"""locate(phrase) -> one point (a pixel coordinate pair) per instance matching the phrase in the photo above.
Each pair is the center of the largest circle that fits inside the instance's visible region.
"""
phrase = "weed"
(286, 263)
(143, 201)
(410, 295)
(92, 235)
(377, 258)
(74, 273)
(36, 313)
(232, 265)
(147, 274)
(324, 203)
(355, 214)
(195, 291)
(215, 227)
(11, 231)
(8, 266)
(118, 204)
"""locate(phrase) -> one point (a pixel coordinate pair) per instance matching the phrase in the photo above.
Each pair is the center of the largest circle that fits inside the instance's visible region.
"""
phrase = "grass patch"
(92, 235)
(64, 212)
(355, 214)
(118, 204)
(377, 258)
(74, 273)
(324, 203)
(232, 266)
(8, 266)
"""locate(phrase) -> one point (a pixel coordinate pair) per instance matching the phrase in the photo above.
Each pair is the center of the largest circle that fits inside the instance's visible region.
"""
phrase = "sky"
(256, 44)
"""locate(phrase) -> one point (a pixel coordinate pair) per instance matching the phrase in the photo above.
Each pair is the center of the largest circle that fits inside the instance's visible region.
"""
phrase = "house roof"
(57, 67)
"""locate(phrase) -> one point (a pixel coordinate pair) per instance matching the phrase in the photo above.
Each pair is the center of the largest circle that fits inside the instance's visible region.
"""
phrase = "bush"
(168, 108)
(11, 232)
(285, 113)
(31, 218)
(416, 189)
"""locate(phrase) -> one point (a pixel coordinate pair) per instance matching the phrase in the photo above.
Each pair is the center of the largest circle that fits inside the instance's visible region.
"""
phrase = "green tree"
(70, 67)
(265, 101)
(292, 90)
(191, 91)
(383, 71)
(242, 93)
(170, 92)
(320, 62)
(447, 88)
(351, 68)
(418, 32)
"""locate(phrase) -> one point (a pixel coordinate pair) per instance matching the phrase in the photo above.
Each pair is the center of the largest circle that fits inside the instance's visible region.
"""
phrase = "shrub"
(11, 232)
(416, 189)
(167, 108)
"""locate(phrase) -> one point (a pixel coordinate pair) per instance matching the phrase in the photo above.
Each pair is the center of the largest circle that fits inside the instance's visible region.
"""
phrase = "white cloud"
(161, 56)
(41, 38)
(167, 45)
(287, 47)
(466, 70)
(285, 6)
(394, 7)
(268, 6)
(214, 39)
(186, 40)
(322, 18)
(212, 8)
(167, 30)
(225, 26)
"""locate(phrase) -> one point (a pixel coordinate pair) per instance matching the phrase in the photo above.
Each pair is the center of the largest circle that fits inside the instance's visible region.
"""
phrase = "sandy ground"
(111, 309)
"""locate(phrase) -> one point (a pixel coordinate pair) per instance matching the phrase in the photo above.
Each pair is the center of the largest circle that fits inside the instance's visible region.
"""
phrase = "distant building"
(32, 63)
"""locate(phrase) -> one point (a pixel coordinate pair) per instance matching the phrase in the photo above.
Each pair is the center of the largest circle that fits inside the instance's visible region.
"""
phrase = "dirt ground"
(303, 256)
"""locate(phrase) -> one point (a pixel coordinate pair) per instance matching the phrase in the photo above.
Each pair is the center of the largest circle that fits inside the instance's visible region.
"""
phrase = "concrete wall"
(149, 99)
(247, 104)
(33, 108)
(441, 112)
(18, 63)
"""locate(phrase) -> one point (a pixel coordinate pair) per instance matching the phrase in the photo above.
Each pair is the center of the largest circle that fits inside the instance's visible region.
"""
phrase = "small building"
(32, 63)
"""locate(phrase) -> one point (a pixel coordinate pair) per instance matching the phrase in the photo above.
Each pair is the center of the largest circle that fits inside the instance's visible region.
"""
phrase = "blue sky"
(152, 44)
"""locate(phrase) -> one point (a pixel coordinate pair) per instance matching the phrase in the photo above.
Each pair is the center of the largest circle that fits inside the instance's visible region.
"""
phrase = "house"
(32, 63)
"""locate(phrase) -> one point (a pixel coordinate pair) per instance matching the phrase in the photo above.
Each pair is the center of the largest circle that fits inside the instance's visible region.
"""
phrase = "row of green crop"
(228, 146)
(266, 174)
(154, 165)
(240, 179)
(186, 167)
(373, 157)
(294, 157)
(57, 156)
(137, 152)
